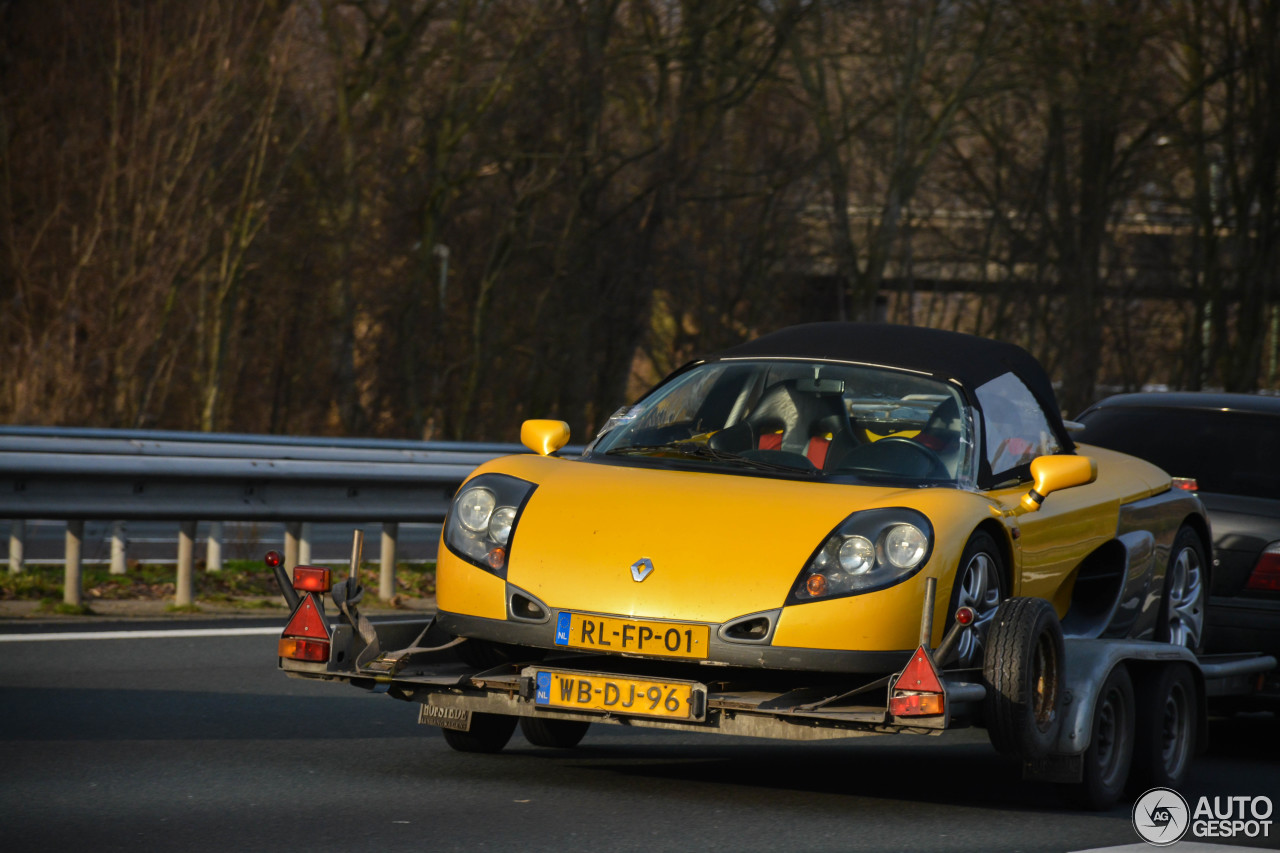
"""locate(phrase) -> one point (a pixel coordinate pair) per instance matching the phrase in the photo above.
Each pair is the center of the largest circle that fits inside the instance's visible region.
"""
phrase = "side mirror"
(1052, 473)
(544, 437)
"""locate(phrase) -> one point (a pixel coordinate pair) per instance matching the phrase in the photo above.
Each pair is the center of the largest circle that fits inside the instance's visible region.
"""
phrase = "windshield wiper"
(702, 451)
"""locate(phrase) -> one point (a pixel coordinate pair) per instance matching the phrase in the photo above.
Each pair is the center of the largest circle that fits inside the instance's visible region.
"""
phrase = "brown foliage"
(427, 219)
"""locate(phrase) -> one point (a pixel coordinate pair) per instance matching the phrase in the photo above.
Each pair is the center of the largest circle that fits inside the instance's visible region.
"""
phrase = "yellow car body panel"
(708, 536)
(464, 588)
(726, 546)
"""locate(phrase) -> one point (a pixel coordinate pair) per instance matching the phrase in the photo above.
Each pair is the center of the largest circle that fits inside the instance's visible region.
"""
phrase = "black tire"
(556, 734)
(979, 584)
(489, 733)
(1168, 704)
(1110, 753)
(1023, 674)
(485, 654)
(1186, 590)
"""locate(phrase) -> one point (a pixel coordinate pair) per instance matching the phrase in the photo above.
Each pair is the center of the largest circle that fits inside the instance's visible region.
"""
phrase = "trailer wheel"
(488, 733)
(1022, 668)
(556, 734)
(1168, 704)
(1110, 752)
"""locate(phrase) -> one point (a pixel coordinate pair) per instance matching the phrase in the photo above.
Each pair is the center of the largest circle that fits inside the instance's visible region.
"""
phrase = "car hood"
(721, 545)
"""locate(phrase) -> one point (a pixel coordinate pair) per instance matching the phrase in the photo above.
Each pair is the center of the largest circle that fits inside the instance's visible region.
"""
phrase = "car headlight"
(870, 550)
(482, 520)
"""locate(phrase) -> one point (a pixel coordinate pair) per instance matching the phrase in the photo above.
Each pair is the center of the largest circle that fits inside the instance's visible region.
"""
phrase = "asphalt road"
(199, 743)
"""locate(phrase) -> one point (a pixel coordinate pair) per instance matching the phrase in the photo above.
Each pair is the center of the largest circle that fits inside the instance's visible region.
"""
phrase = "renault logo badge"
(641, 568)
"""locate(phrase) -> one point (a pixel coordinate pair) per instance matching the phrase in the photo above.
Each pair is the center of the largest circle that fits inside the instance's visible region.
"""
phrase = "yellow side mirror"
(544, 437)
(1052, 473)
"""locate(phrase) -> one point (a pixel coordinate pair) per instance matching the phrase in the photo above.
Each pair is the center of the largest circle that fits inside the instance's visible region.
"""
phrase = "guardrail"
(77, 474)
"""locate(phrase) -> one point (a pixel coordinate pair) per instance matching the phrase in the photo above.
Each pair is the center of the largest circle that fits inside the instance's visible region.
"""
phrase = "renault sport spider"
(782, 505)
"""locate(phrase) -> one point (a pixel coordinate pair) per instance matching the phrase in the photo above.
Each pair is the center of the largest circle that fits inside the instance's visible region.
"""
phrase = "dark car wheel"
(556, 734)
(979, 585)
(488, 733)
(1182, 608)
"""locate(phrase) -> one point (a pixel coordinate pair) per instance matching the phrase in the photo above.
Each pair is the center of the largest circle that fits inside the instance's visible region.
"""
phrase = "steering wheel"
(935, 467)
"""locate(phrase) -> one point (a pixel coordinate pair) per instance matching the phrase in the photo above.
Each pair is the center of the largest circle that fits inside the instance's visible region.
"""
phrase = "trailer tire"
(556, 734)
(1109, 756)
(1022, 668)
(488, 733)
(1168, 703)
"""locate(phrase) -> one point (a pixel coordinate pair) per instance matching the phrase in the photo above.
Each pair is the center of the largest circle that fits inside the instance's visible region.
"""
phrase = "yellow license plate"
(634, 636)
(620, 694)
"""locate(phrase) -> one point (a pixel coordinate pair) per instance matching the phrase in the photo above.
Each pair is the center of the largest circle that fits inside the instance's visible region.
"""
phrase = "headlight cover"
(482, 520)
(869, 550)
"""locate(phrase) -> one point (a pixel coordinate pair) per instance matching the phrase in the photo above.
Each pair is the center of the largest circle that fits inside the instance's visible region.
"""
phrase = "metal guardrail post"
(182, 596)
(73, 577)
(17, 544)
(119, 547)
(292, 533)
(213, 548)
(304, 544)
(387, 574)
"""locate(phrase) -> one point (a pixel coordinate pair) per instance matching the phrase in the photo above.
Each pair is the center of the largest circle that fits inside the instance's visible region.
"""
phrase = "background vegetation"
(432, 219)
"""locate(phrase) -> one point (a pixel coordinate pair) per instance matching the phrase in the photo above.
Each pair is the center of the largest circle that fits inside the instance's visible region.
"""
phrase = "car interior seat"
(797, 420)
(942, 432)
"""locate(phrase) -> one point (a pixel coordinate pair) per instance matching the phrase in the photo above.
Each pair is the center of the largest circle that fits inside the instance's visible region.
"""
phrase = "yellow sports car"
(781, 505)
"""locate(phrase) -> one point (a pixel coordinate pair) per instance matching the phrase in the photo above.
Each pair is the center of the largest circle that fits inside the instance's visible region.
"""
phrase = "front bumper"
(756, 654)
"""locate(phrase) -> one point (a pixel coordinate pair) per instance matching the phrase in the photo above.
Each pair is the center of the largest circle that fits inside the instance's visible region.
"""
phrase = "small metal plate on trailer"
(446, 718)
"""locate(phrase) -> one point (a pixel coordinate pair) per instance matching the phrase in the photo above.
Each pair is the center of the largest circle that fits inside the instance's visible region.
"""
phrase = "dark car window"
(1236, 453)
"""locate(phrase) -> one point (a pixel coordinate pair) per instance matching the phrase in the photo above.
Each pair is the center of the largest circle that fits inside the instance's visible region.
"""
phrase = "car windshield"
(800, 419)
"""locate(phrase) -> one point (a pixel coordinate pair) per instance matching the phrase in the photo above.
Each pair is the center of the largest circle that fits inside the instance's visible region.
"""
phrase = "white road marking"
(141, 635)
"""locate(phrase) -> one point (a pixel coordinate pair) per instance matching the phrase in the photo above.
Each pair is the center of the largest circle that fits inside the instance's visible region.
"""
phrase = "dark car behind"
(1230, 445)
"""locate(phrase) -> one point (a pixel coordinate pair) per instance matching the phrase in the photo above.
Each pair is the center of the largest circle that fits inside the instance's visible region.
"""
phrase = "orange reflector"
(307, 620)
(312, 578)
(916, 705)
(816, 585)
(497, 558)
(294, 648)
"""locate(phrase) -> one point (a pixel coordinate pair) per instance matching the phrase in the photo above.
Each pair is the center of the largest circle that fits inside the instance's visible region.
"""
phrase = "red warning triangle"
(919, 675)
(307, 620)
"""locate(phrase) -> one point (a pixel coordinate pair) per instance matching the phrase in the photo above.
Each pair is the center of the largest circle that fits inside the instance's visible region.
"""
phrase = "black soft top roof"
(967, 359)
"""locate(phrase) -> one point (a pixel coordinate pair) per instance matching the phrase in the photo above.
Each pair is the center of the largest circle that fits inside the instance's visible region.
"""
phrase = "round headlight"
(475, 506)
(905, 545)
(500, 524)
(857, 555)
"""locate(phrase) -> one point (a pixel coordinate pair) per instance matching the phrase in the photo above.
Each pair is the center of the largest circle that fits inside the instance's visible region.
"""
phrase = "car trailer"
(1092, 715)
